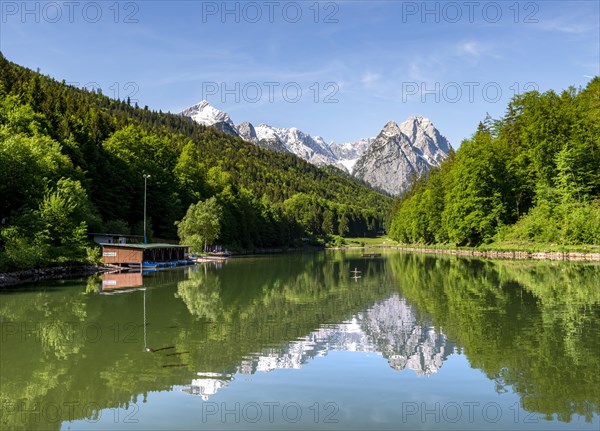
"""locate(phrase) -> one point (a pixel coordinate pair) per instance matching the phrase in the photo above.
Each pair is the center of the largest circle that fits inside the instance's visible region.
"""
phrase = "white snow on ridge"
(349, 164)
(263, 131)
(313, 149)
(206, 114)
(416, 139)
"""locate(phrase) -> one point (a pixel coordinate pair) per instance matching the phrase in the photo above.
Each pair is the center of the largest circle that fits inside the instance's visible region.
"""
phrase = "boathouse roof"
(145, 246)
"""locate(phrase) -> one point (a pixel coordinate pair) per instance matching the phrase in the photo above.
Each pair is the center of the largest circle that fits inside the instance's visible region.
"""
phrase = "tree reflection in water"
(531, 327)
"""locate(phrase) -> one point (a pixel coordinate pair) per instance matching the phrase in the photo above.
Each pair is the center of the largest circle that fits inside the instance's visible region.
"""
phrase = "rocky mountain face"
(401, 152)
(425, 137)
(387, 162)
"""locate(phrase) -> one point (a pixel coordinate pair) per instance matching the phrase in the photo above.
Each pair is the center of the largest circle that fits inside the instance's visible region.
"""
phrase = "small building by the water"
(115, 238)
(136, 254)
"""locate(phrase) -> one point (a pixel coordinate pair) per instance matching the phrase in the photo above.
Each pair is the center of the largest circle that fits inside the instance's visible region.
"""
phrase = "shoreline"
(575, 256)
(15, 278)
(35, 275)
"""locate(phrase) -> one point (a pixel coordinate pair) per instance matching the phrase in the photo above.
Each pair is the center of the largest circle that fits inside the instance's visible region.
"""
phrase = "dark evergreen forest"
(72, 162)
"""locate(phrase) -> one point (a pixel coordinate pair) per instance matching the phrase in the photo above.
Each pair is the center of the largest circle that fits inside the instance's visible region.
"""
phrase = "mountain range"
(387, 162)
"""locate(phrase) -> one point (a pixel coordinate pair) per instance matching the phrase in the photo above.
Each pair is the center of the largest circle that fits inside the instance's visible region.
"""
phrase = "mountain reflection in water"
(390, 327)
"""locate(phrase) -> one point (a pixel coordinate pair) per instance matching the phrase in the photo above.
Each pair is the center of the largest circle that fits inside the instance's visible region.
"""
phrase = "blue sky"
(340, 70)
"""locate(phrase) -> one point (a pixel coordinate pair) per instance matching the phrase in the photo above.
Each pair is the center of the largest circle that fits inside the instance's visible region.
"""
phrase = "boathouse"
(114, 238)
(136, 254)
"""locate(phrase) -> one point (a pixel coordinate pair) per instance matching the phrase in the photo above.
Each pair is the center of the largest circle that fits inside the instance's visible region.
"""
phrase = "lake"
(328, 340)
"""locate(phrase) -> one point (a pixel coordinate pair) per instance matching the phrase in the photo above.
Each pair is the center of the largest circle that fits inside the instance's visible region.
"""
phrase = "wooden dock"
(211, 258)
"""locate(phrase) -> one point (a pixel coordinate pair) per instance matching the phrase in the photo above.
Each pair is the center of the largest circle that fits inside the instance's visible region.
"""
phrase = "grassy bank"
(511, 250)
(380, 241)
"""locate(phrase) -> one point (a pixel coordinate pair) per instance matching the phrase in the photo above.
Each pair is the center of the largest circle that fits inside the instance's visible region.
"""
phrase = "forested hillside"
(71, 161)
(532, 177)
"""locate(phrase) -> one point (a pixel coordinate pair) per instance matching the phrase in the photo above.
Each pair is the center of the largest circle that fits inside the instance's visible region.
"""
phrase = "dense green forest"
(532, 177)
(72, 162)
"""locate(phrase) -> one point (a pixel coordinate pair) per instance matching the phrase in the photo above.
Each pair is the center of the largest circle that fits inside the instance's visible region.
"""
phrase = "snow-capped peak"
(206, 114)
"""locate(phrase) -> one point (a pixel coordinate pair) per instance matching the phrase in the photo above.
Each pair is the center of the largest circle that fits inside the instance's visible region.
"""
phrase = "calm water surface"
(297, 342)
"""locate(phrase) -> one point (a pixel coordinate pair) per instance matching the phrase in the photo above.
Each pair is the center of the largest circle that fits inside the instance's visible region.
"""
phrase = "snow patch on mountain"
(348, 153)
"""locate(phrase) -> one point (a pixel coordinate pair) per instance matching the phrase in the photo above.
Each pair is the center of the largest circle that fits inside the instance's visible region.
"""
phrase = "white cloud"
(370, 78)
(564, 26)
(470, 48)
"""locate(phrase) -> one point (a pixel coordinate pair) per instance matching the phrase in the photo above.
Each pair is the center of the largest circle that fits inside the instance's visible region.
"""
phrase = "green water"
(295, 342)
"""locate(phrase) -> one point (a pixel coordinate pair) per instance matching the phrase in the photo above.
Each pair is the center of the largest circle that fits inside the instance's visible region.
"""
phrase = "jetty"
(211, 258)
